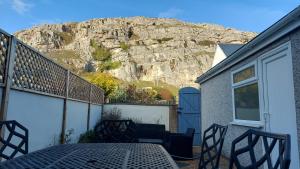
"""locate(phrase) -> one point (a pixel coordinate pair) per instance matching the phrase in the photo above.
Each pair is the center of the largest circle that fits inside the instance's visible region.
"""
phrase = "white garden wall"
(41, 115)
(76, 119)
(155, 114)
(95, 115)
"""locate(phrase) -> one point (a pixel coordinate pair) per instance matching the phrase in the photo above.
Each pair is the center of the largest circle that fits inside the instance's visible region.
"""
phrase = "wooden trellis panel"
(35, 72)
(4, 46)
(78, 88)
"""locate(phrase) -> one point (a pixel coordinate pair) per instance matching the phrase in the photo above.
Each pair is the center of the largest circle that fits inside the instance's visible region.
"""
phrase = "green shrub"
(165, 94)
(113, 114)
(100, 53)
(88, 137)
(124, 46)
(105, 81)
(109, 65)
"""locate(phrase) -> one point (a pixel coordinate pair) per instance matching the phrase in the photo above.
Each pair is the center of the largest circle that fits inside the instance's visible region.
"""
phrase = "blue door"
(189, 111)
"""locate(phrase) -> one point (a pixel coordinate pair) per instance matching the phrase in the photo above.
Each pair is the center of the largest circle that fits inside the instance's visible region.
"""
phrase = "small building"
(223, 50)
(258, 86)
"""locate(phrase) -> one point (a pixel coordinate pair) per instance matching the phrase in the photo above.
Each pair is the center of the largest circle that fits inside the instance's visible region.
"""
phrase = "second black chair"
(211, 148)
(276, 153)
(116, 131)
(15, 139)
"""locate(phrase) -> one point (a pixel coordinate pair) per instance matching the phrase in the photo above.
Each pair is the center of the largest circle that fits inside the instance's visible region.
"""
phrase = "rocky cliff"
(137, 48)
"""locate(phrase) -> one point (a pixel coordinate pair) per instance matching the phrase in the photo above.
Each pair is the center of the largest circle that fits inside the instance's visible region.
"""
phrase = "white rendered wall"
(154, 114)
(95, 115)
(219, 56)
(76, 119)
(41, 115)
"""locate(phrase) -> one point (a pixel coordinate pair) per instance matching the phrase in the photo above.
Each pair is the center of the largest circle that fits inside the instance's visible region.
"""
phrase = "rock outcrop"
(148, 49)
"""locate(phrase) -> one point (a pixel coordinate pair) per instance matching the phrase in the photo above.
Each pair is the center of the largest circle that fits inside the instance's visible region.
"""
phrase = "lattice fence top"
(4, 45)
(78, 88)
(97, 95)
(34, 72)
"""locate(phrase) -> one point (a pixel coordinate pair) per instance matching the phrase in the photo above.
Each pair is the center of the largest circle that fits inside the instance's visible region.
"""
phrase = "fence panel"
(4, 46)
(97, 95)
(37, 73)
(78, 88)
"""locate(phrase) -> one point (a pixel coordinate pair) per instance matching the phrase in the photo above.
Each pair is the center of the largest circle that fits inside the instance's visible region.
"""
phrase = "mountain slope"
(136, 48)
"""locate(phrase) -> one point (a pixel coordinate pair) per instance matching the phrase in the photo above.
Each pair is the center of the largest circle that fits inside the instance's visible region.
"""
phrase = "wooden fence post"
(8, 73)
(89, 109)
(63, 127)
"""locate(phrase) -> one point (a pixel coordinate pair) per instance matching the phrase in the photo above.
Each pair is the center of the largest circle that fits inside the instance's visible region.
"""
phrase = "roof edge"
(280, 28)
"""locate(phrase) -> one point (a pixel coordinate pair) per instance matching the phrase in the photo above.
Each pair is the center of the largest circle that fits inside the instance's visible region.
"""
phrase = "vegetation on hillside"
(103, 80)
(63, 57)
(100, 53)
(124, 46)
(103, 55)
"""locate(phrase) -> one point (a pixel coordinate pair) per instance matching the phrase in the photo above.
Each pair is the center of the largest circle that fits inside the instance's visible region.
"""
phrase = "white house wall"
(216, 99)
(219, 56)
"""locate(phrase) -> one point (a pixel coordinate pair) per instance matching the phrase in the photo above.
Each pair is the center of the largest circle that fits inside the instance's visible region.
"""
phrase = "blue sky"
(248, 15)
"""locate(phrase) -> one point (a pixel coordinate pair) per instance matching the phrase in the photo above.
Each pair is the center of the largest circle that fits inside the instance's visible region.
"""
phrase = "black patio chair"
(180, 145)
(211, 147)
(269, 141)
(116, 131)
(14, 141)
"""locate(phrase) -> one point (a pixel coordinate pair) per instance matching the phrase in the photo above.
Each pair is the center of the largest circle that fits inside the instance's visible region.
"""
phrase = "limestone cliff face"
(148, 49)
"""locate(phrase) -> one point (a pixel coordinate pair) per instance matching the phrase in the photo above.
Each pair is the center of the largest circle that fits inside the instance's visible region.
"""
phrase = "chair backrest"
(211, 148)
(151, 131)
(190, 132)
(14, 141)
(116, 131)
(276, 146)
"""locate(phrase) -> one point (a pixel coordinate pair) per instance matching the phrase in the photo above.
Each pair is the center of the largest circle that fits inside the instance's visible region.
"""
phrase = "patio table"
(95, 155)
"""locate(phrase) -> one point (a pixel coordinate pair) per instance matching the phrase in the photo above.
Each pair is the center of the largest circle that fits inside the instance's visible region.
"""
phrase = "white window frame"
(252, 80)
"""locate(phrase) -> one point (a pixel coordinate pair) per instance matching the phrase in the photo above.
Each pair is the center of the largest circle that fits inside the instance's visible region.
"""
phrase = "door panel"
(278, 99)
(189, 112)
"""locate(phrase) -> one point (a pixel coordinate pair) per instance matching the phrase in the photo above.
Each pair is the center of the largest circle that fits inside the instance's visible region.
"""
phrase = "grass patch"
(163, 40)
(100, 53)
(62, 56)
(206, 43)
(124, 46)
(109, 65)
(203, 52)
(67, 37)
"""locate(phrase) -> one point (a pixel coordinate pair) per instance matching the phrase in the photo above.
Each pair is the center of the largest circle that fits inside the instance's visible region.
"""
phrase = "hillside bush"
(109, 65)
(100, 53)
(124, 46)
(105, 81)
(165, 94)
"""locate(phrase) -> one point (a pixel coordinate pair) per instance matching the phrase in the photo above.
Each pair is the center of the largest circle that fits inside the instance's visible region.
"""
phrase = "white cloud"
(170, 13)
(20, 6)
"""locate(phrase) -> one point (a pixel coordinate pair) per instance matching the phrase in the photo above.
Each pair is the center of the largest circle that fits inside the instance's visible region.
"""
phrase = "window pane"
(244, 74)
(247, 103)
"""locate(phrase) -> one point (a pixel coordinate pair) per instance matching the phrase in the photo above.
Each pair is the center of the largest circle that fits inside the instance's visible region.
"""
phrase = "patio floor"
(193, 164)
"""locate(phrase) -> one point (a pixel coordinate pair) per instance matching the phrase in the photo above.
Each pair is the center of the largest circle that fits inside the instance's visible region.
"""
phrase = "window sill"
(247, 124)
